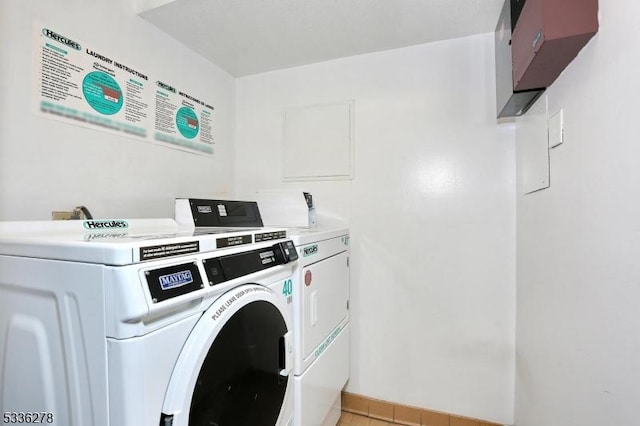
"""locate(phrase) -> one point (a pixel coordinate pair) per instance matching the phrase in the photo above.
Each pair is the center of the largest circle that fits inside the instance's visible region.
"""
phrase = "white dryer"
(321, 324)
(141, 323)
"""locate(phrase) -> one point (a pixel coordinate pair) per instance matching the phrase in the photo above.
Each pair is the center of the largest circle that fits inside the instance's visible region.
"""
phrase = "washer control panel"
(225, 268)
(176, 280)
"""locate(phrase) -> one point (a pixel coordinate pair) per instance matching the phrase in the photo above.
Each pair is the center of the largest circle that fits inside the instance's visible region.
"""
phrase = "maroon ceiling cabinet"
(547, 36)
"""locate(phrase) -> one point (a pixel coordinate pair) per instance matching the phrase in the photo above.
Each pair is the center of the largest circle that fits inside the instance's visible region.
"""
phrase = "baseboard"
(404, 414)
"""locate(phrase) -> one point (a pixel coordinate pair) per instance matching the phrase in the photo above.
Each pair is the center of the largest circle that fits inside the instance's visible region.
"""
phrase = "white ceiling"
(253, 36)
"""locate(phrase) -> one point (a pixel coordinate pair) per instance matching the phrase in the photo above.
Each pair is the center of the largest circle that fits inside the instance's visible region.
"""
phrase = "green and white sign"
(80, 84)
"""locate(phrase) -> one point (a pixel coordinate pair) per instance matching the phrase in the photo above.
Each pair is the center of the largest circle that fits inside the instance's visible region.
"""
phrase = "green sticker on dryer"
(310, 250)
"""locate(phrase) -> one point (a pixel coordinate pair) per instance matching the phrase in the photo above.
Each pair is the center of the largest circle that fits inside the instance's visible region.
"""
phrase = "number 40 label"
(287, 287)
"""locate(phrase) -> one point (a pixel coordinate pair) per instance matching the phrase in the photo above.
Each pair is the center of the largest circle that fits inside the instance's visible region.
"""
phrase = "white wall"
(431, 211)
(578, 249)
(47, 165)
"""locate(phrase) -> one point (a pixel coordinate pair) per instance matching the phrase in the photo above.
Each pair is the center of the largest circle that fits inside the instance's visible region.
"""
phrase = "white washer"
(140, 323)
(321, 324)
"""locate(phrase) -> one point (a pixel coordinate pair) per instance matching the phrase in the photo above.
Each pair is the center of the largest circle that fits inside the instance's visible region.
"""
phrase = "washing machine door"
(234, 368)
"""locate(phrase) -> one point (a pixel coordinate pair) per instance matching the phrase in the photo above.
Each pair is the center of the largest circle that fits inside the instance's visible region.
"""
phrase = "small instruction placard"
(234, 241)
(167, 250)
(267, 236)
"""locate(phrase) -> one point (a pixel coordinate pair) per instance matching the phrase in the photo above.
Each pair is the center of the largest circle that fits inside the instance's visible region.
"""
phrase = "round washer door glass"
(239, 383)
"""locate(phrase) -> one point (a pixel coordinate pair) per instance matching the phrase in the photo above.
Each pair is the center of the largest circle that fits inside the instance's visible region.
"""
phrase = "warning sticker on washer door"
(233, 298)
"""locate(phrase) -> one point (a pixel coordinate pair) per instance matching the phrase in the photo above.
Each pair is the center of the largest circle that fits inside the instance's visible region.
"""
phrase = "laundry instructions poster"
(82, 85)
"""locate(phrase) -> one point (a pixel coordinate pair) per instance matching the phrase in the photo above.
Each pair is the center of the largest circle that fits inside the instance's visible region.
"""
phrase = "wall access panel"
(318, 142)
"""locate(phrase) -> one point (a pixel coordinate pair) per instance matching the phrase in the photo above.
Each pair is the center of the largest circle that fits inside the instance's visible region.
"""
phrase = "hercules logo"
(310, 251)
(105, 224)
(61, 39)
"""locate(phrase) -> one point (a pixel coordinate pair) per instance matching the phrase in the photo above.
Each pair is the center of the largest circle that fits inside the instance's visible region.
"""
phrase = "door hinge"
(347, 262)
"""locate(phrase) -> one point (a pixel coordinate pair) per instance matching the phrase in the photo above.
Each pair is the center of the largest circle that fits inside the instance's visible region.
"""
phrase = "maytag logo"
(311, 250)
(204, 209)
(105, 224)
(177, 279)
(61, 39)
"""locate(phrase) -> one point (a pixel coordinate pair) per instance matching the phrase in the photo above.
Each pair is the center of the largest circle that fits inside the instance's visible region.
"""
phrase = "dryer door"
(326, 294)
(234, 368)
